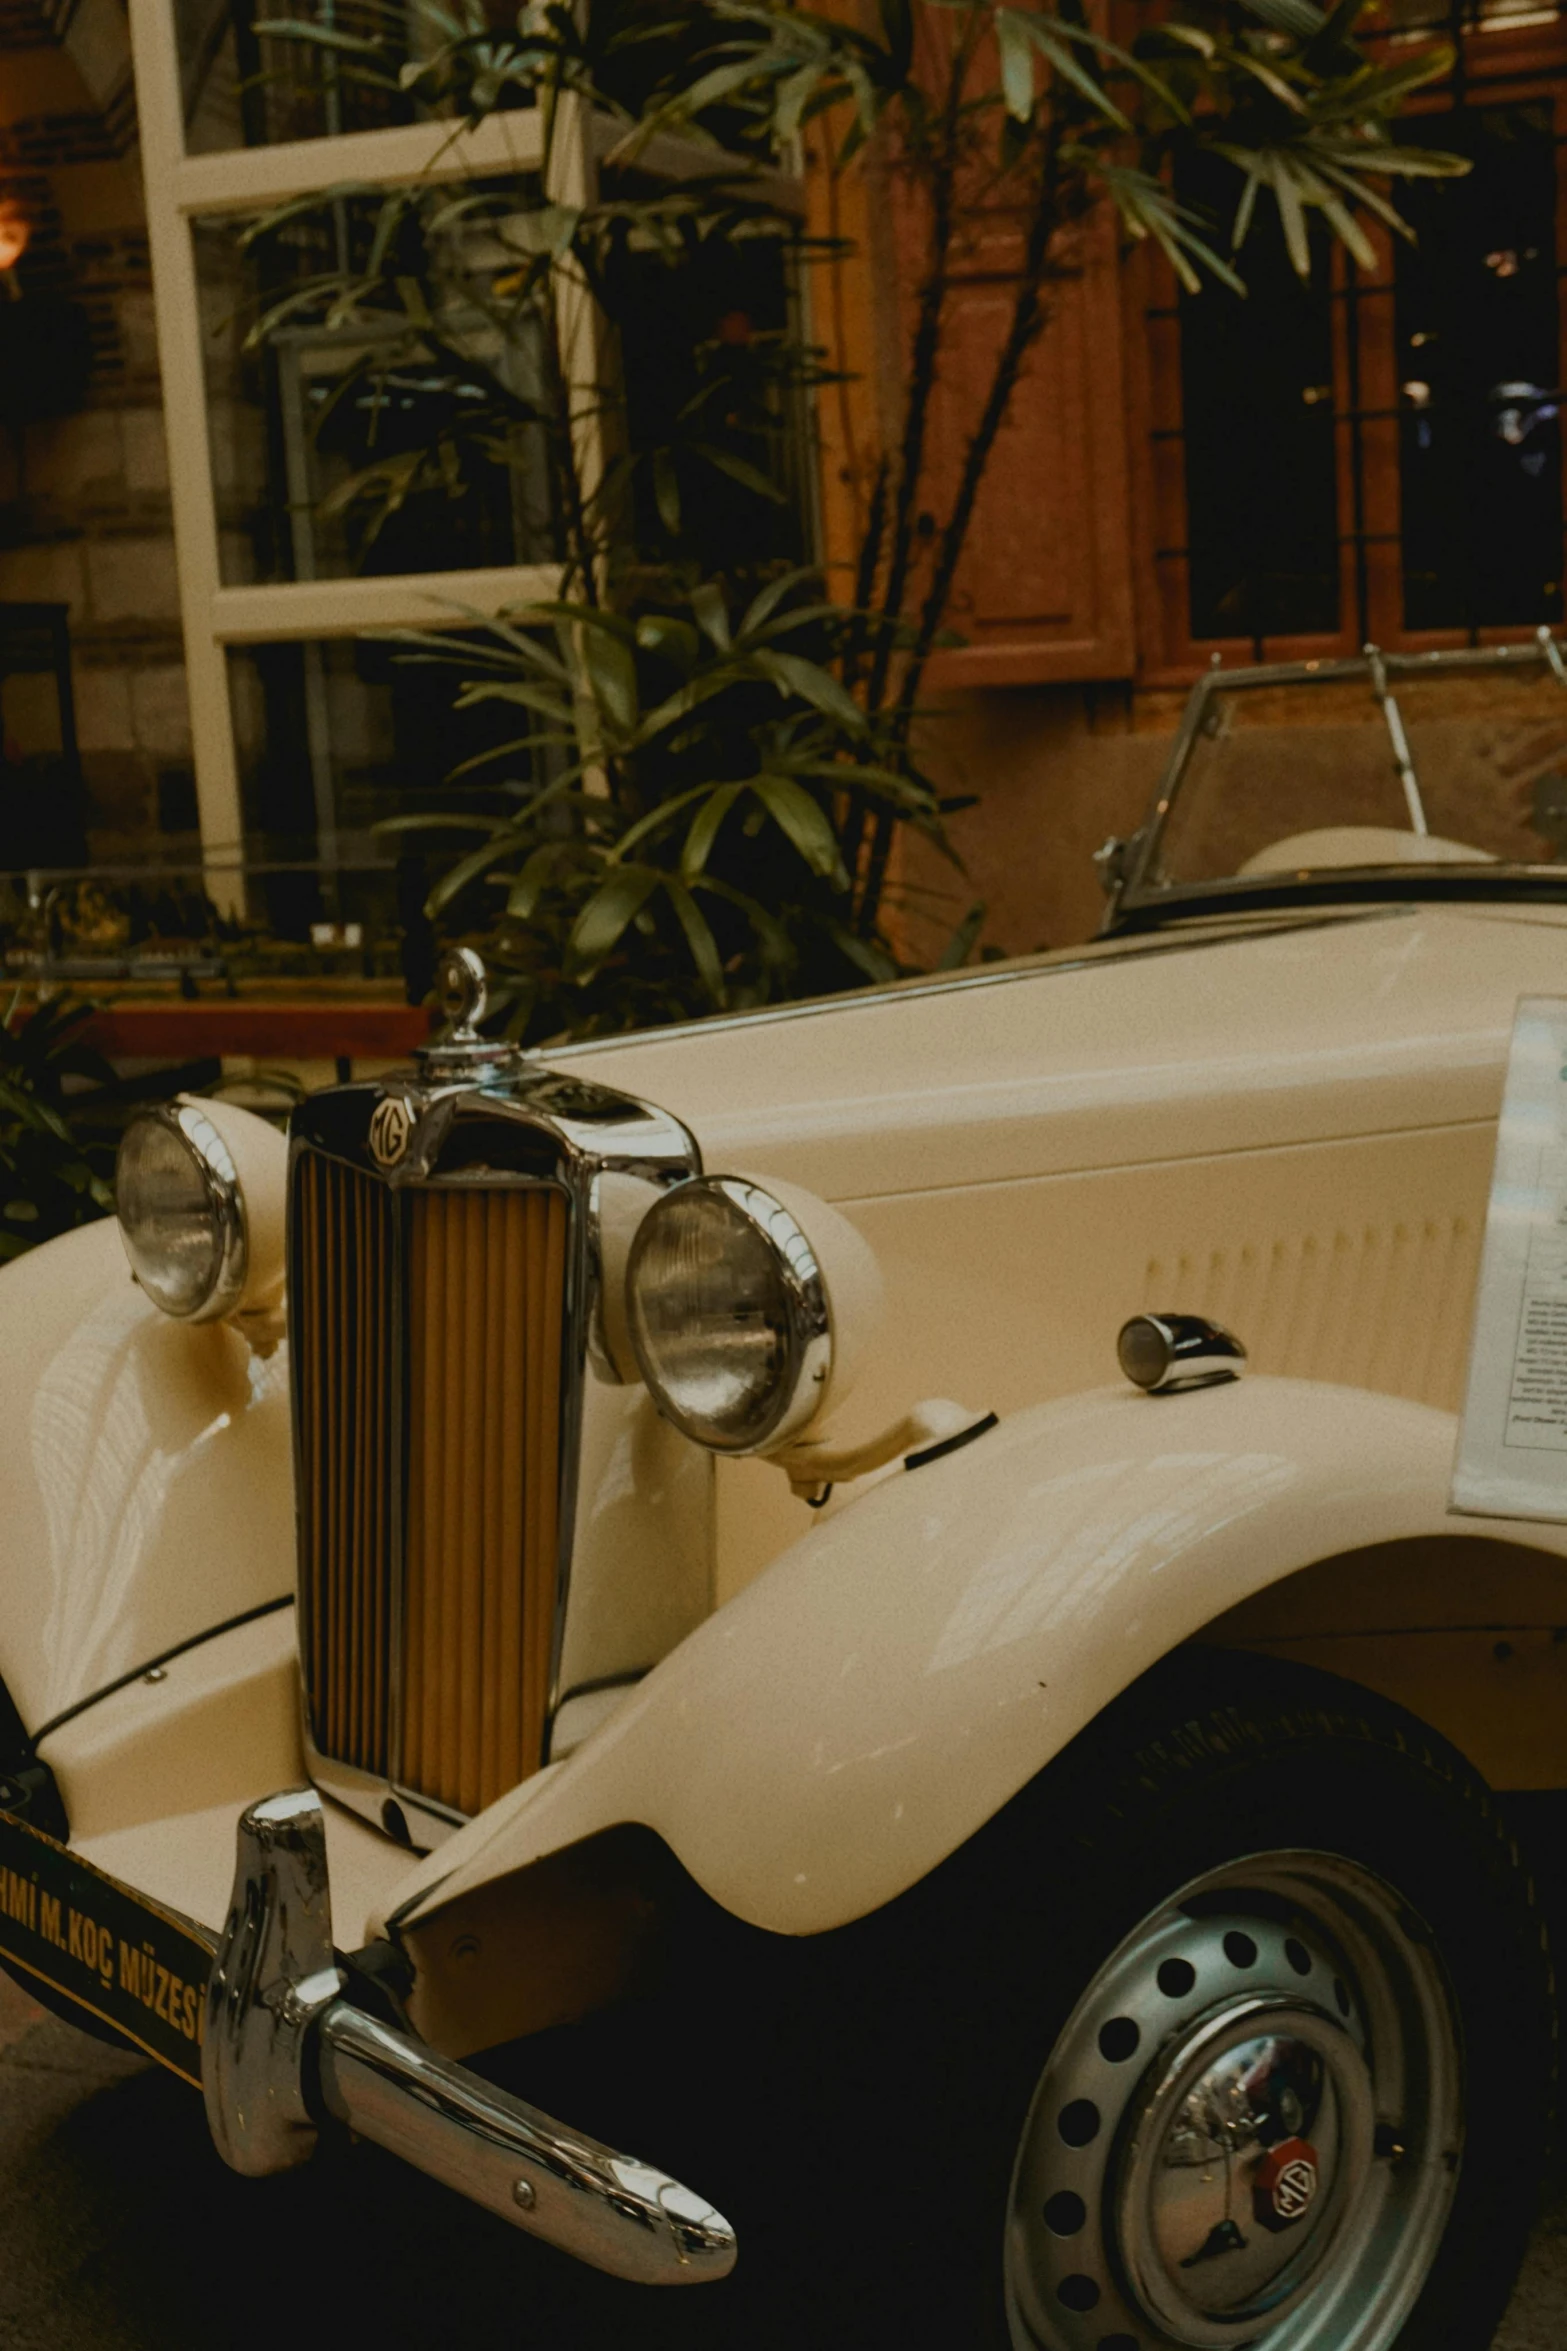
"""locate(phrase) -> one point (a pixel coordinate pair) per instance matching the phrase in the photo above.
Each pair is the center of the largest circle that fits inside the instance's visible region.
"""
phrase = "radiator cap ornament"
(462, 992)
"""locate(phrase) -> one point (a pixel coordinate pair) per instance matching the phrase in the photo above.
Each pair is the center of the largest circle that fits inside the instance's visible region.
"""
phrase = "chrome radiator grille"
(485, 1300)
(347, 1406)
(427, 1377)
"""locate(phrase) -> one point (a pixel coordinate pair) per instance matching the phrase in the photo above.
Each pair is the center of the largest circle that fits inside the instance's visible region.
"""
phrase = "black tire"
(929, 2027)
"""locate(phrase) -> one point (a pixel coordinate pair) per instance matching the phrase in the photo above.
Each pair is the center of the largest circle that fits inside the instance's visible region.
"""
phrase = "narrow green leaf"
(711, 607)
(487, 825)
(1292, 215)
(1274, 83)
(699, 938)
(411, 294)
(1346, 227)
(1051, 46)
(1190, 36)
(530, 883)
(612, 673)
(288, 28)
(543, 699)
(1017, 64)
(800, 816)
(794, 675)
(750, 477)
(607, 915)
(666, 491)
(706, 826)
(467, 869)
(791, 101)
(763, 606)
(676, 640)
(961, 944)
(656, 817)
(862, 953)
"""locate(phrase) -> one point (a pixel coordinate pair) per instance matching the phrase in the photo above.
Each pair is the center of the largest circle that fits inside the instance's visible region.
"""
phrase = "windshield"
(1278, 776)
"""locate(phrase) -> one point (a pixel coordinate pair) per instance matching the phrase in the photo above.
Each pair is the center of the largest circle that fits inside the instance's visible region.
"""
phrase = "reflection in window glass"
(333, 738)
(298, 422)
(1478, 356)
(725, 449)
(243, 88)
(1257, 385)
(1303, 777)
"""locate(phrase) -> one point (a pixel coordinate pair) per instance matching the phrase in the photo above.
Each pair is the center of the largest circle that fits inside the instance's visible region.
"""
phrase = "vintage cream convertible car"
(537, 1522)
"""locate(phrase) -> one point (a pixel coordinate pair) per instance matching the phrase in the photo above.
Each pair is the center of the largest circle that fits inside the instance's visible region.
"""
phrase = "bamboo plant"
(716, 754)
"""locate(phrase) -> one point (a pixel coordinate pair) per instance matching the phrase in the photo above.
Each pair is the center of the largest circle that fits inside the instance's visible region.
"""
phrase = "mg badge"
(1286, 2184)
(390, 1128)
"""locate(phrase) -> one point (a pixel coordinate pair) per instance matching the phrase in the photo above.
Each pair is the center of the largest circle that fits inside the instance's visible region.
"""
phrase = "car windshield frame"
(1141, 897)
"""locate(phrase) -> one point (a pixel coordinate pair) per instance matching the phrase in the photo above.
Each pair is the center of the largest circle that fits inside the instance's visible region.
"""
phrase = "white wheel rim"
(1249, 2131)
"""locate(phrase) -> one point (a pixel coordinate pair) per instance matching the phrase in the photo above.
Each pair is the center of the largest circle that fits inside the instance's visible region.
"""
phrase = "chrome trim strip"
(541, 1127)
(429, 1824)
(123, 1681)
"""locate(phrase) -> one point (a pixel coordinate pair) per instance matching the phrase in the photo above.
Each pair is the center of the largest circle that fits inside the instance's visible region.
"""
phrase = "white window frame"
(183, 188)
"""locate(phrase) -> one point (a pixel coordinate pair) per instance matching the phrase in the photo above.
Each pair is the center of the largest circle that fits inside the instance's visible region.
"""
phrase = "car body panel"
(155, 1775)
(1056, 1142)
(146, 1483)
(859, 1711)
(1350, 1261)
(1288, 1126)
(1203, 1043)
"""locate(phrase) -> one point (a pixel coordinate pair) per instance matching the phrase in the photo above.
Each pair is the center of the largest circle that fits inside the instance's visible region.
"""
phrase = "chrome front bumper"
(285, 2051)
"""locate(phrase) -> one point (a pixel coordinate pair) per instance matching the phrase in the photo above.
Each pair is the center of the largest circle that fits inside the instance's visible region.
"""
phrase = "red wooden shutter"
(1044, 591)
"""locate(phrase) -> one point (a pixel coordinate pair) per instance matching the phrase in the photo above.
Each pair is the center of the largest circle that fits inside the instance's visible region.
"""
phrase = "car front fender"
(146, 1478)
(857, 1713)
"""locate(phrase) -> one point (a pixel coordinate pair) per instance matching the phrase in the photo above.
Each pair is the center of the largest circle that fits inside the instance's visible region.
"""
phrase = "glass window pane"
(368, 447)
(722, 432)
(1478, 357)
(1257, 390)
(334, 737)
(241, 88)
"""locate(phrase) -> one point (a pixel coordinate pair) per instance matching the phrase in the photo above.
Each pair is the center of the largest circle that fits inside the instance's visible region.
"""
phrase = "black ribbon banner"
(129, 1963)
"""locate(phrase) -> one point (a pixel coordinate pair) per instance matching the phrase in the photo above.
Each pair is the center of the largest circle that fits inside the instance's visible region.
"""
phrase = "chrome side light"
(1163, 1353)
(182, 1213)
(729, 1315)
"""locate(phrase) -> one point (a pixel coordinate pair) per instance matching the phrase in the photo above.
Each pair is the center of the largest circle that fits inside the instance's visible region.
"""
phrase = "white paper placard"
(1512, 1440)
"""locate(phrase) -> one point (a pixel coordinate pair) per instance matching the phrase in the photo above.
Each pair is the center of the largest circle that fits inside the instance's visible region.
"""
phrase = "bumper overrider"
(285, 2052)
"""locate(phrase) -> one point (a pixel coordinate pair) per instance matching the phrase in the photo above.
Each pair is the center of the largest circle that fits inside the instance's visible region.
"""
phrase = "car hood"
(1176, 1046)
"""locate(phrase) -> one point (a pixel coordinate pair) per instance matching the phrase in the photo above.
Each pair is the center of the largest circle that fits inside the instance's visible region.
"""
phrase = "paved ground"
(121, 2231)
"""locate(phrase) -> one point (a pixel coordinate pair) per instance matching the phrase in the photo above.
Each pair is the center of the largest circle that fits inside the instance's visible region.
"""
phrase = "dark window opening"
(714, 422)
(1257, 389)
(1479, 361)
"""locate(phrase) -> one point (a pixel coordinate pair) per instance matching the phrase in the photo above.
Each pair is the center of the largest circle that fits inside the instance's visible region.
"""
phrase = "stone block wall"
(84, 498)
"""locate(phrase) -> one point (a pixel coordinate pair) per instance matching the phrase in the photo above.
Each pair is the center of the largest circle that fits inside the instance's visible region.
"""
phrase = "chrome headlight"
(182, 1215)
(729, 1315)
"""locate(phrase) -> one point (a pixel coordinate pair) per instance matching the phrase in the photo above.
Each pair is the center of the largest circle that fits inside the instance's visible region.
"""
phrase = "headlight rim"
(225, 1198)
(800, 1395)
